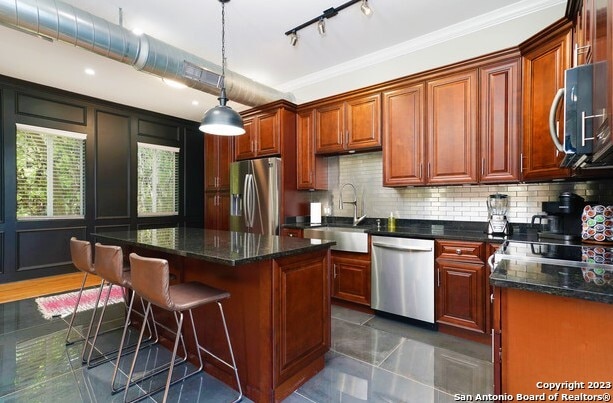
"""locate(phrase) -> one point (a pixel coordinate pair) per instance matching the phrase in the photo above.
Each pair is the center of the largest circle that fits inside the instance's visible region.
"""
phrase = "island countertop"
(225, 247)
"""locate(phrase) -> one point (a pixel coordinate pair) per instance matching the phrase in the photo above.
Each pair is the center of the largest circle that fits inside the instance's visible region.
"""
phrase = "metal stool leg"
(74, 312)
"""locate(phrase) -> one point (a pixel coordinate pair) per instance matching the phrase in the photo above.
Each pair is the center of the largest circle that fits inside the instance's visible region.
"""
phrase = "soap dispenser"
(391, 222)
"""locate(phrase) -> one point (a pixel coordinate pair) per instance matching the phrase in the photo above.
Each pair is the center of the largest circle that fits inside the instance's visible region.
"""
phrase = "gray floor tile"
(363, 343)
(350, 315)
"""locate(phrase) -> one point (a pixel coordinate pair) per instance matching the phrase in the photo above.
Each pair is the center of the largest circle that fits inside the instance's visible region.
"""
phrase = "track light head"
(293, 38)
(366, 10)
(321, 26)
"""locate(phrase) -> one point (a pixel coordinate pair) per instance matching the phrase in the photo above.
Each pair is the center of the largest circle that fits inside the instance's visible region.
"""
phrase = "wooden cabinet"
(452, 128)
(217, 210)
(262, 136)
(348, 125)
(351, 277)
(545, 58)
(448, 129)
(404, 145)
(461, 286)
(291, 232)
(499, 122)
(217, 159)
(312, 170)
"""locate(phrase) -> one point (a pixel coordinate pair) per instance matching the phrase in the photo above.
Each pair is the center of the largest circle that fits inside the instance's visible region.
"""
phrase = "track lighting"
(326, 14)
(366, 10)
(293, 38)
(321, 26)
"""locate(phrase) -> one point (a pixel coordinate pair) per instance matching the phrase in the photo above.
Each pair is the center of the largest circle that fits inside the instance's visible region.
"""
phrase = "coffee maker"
(497, 208)
(563, 218)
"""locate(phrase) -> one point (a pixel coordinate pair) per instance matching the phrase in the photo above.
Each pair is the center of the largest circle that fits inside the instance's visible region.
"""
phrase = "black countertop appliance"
(563, 218)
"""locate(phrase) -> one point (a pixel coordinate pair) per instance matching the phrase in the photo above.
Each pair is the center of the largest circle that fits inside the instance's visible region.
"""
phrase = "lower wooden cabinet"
(217, 210)
(291, 232)
(351, 277)
(461, 291)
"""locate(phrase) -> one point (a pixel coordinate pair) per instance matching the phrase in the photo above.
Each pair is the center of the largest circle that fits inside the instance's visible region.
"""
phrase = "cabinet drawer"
(292, 232)
(460, 250)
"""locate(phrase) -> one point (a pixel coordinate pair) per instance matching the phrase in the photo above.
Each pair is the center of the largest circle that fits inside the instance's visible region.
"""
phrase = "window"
(50, 173)
(158, 180)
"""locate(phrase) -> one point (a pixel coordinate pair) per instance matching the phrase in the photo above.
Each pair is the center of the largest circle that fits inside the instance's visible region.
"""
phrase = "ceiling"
(256, 45)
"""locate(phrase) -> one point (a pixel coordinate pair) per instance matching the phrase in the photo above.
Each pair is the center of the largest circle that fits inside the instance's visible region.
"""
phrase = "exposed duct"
(59, 21)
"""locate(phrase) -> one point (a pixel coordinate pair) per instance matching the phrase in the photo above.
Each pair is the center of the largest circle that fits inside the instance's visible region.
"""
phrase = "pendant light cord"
(223, 44)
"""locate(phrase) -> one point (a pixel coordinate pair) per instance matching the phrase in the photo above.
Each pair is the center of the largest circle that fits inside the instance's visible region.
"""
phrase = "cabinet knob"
(290, 234)
(458, 251)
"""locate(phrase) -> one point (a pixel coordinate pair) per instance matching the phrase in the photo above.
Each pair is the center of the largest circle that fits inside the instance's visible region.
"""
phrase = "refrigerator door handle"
(252, 196)
(246, 202)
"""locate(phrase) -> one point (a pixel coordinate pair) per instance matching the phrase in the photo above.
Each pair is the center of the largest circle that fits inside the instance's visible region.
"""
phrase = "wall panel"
(50, 109)
(45, 248)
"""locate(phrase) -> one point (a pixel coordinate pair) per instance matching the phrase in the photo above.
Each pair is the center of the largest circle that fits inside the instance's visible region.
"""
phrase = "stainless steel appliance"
(255, 196)
(562, 219)
(497, 208)
(403, 277)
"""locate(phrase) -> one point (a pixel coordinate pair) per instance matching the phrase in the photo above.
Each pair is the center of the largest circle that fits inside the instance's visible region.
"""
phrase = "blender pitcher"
(497, 207)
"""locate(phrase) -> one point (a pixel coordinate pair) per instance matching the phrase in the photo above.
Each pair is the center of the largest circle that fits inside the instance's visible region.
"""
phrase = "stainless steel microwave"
(586, 141)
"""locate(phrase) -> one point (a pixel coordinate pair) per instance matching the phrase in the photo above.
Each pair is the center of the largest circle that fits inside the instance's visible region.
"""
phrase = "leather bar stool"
(110, 267)
(150, 280)
(81, 255)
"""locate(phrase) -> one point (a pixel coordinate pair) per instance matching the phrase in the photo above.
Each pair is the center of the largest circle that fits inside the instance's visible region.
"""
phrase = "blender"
(497, 207)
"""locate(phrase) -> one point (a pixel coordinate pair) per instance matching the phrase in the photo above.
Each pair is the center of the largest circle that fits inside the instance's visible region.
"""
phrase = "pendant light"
(222, 120)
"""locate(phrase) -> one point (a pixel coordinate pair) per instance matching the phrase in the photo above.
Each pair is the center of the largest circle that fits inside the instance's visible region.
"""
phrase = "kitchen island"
(278, 314)
(553, 306)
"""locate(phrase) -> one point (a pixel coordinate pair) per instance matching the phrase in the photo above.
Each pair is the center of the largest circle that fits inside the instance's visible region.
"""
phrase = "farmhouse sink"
(348, 239)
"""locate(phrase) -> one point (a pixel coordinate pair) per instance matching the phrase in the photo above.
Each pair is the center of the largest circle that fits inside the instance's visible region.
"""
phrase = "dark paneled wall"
(37, 248)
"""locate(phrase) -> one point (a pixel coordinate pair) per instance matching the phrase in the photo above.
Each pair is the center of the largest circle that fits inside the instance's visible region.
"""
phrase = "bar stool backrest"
(151, 281)
(109, 263)
(81, 255)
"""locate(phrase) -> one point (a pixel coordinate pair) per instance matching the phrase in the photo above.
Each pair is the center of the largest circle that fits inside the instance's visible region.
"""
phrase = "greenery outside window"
(158, 180)
(50, 173)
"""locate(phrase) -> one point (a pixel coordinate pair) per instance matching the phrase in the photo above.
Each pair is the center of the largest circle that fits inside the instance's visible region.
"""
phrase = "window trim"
(47, 131)
(161, 147)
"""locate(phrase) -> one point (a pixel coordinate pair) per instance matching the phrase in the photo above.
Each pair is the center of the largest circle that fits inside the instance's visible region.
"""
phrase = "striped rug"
(62, 305)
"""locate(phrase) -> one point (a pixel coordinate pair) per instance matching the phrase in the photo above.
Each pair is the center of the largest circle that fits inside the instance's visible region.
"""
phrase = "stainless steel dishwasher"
(403, 277)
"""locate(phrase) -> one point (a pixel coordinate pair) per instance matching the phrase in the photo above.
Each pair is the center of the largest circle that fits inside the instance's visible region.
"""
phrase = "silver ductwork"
(62, 22)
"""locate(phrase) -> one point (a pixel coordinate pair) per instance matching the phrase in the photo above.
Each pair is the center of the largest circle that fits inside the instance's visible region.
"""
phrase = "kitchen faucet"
(356, 220)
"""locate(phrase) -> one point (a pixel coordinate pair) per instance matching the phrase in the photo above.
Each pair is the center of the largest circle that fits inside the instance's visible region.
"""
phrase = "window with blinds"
(50, 173)
(158, 180)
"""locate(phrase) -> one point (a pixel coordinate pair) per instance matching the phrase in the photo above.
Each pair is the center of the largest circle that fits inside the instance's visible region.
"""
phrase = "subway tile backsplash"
(456, 203)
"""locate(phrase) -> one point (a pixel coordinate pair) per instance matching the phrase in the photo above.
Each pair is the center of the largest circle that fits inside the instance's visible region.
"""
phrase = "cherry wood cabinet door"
(543, 75)
(312, 171)
(499, 107)
(217, 159)
(224, 160)
(329, 128)
(363, 123)
(460, 301)
(351, 279)
(452, 128)
(268, 136)
(244, 145)
(403, 136)
(217, 210)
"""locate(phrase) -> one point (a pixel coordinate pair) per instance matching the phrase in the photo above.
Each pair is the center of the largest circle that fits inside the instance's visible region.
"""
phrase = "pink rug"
(62, 305)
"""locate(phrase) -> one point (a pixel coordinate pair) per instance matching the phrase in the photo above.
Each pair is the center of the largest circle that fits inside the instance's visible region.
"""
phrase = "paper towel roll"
(315, 213)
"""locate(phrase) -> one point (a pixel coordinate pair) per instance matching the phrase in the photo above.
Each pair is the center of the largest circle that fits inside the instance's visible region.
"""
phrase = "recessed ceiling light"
(195, 103)
(173, 83)
(138, 31)
(90, 71)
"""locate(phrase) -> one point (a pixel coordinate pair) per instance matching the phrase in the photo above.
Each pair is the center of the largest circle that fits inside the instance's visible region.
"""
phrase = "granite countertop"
(229, 248)
(576, 271)
(429, 229)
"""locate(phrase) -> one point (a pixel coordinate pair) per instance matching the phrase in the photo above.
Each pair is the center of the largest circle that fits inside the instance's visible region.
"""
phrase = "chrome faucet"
(356, 220)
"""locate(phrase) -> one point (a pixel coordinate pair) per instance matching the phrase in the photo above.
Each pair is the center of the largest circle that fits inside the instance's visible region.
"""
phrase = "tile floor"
(372, 359)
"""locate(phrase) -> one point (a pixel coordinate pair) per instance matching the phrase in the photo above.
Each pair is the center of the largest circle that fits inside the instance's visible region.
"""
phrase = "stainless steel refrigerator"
(255, 196)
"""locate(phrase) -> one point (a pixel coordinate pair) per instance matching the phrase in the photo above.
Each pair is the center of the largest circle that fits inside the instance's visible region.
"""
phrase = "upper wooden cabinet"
(499, 124)
(436, 143)
(404, 149)
(262, 136)
(452, 128)
(217, 159)
(348, 125)
(545, 58)
(312, 170)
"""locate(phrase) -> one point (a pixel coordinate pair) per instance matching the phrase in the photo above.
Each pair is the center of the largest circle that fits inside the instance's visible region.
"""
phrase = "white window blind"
(158, 180)
(50, 173)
